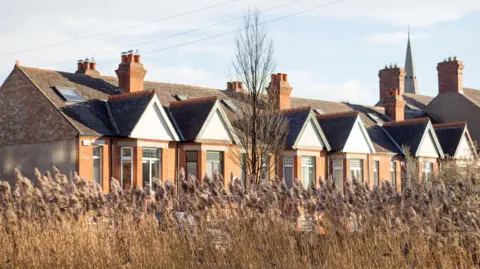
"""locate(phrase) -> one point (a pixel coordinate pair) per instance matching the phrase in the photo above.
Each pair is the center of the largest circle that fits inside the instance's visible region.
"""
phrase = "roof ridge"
(450, 124)
(338, 114)
(405, 122)
(130, 95)
(296, 109)
(194, 101)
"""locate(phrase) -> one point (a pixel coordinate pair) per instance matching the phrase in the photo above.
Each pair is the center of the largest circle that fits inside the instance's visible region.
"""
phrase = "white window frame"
(427, 170)
(376, 170)
(126, 158)
(150, 161)
(308, 166)
(337, 164)
(357, 168)
(221, 162)
(288, 165)
(101, 162)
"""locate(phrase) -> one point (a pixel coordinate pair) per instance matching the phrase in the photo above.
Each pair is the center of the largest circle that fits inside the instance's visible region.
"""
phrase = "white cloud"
(392, 38)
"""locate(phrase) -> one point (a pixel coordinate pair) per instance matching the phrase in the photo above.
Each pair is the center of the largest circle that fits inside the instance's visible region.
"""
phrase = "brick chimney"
(87, 67)
(391, 77)
(130, 72)
(279, 90)
(450, 76)
(394, 105)
(235, 86)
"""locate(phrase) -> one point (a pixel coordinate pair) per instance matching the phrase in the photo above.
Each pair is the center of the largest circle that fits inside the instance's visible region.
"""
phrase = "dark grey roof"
(190, 115)
(337, 128)
(127, 110)
(92, 115)
(381, 140)
(449, 138)
(296, 120)
(407, 133)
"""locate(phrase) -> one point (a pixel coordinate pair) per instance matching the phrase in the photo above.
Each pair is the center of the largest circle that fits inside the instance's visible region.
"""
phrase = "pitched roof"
(473, 95)
(296, 119)
(190, 115)
(416, 103)
(91, 117)
(127, 109)
(382, 142)
(449, 135)
(408, 132)
(337, 127)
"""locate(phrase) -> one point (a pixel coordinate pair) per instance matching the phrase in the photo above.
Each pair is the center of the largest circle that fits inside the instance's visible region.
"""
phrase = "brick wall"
(85, 159)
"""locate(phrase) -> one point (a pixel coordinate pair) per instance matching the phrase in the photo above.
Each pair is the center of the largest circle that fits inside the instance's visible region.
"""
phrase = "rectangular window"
(308, 171)
(393, 172)
(97, 165)
(356, 170)
(376, 167)
(192, 163)
(214, 162)
(338, 172)
(126, 177)
(288, 170)
(427, 171)
(151, 165)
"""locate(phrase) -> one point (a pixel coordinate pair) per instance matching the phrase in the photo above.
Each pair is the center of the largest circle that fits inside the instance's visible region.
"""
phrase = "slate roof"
(473, 95)
(408, 132)
(337, 128)
(190, 115)
(382, 142)
(296, 119)
(91, 116)
(449, 135)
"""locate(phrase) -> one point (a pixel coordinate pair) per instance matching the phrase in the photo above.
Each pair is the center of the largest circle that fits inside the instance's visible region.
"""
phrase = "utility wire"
(174, 35)
(117, 30)
(237, 30)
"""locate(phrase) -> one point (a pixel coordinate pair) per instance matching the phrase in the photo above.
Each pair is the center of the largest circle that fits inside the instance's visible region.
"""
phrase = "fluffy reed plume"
(205, 224)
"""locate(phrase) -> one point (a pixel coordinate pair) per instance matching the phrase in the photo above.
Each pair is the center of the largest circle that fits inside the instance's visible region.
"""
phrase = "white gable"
(464, 150)
(310, 138)
(357, 141)
(153, 125)
(428, 148)
(215, 128)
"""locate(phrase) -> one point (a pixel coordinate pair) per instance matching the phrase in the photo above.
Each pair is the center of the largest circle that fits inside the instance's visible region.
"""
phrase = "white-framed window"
(376, 172)
(192, 163)
(356, 169)
(126, 177)
(427, 170)
(308, 171)
(214, 162)
(97, 165)
(288, 170)
(393, 174)
(151, 165)
(337, 165)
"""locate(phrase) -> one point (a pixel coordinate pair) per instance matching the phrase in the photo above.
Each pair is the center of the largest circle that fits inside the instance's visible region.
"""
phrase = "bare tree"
(260, 127)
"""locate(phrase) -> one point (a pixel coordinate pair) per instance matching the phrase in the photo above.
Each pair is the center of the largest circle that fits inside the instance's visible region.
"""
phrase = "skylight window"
(69, 94)
(231, 105)
(375, 118)
(181, 97)
(319, 111)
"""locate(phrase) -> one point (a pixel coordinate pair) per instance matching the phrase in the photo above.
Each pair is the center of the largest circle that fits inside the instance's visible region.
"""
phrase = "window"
(181, 97)
(375, 118)
(393, 172)
(126, 177)
(231, 105)
(265, 172)
(214, 162)
(69, 94)
(376, 167)
(192, 163)
(151, 165)
(308, 171)
(427, 171)
(338, 172)
(356, 170)
(97, 165)
(288, 170)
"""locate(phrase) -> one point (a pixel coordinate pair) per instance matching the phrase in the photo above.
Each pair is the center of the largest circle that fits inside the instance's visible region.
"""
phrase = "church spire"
(410, 77)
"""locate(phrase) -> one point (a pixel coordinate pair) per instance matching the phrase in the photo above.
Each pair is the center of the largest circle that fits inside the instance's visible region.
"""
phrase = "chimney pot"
(391, 78)
(450, 76)
(130, 72)
(279, 90)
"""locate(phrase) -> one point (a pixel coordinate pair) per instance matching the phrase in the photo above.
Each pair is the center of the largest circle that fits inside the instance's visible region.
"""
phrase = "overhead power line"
(237, 30)
(172, 36)
(117, 30)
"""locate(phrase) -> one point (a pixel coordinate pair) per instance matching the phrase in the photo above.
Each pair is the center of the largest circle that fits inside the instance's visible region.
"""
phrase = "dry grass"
(62, 224)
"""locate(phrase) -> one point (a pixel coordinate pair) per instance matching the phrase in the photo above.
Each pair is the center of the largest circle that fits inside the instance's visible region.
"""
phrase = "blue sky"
(332, 53)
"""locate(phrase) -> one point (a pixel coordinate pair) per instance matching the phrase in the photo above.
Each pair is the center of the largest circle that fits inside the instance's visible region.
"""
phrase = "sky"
(333, 52)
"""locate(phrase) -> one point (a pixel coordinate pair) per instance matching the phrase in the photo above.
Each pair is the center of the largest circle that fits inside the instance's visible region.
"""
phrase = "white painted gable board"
(357, 142)
(216, 129)
(310, 138)
(428, 148)
(464, 150)
(152, 125)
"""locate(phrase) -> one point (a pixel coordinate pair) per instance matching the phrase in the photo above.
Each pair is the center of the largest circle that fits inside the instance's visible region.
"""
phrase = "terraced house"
(135, 130)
